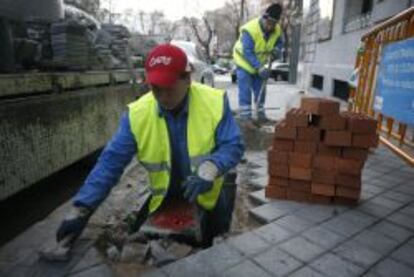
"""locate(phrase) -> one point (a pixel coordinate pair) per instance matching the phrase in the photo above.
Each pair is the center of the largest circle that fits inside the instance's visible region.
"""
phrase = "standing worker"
(184, 135)
(259, 41)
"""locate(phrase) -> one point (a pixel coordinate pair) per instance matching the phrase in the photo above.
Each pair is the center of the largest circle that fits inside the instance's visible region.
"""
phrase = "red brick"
(348, 192)
(331, 151)
(324, 176)
(319, 106)
(345, 201)
(306, 146)
(279, 170)
(300, 173)
(365, 141)
(309, 133)
(324, 162)
(297, 118)
(283, 144)
(323, 189)
(283, 131)
(349, 166)
(297, 195)
(355, 153)
(277, 156)
(338, 138)
(278, 181)
(333, 122)
(300, 185)
(321, 199)
(300, 159)
(360, 123)
(275, 192)
(347, 180)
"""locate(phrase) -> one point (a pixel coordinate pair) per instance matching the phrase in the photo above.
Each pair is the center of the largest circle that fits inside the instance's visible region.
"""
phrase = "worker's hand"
(200, 182)
(74, 223)
(264, 72)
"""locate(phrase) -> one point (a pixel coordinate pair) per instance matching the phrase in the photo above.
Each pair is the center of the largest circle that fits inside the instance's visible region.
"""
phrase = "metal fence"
(399, 137)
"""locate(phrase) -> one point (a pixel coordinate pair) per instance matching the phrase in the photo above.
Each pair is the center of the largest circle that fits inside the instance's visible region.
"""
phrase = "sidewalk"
(375, 238)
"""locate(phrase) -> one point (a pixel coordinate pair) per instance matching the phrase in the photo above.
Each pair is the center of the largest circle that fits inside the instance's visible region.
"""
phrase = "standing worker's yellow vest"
(205, 111)
(262, 47)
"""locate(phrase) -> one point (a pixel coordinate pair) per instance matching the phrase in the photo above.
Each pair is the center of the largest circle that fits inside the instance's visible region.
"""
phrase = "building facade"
(330, 38)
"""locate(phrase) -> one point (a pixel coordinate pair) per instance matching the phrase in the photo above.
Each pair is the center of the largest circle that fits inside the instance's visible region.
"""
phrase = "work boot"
(263, 120)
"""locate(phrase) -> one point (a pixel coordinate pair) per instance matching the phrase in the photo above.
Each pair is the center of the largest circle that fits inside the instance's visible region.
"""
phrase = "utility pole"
(295, 42)
(242, 10)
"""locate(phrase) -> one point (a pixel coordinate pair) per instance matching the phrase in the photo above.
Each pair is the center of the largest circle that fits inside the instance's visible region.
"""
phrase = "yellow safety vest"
(149, 128)
(262, 47)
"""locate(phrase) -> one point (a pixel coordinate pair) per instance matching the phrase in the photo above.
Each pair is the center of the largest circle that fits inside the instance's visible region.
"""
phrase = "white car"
(202, 71)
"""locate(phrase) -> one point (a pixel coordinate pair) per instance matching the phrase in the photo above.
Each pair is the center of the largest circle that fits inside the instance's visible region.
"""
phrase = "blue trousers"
(250, 85)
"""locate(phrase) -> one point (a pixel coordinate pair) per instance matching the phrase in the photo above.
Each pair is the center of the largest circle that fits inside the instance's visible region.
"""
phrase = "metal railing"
(393, 134)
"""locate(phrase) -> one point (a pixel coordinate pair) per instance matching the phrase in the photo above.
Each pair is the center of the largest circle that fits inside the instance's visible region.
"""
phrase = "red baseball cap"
(164, 65)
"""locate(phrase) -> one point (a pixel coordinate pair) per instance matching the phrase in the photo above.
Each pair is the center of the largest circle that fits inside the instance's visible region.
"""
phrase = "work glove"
(264, 72)
(74, 223)
(200, 182)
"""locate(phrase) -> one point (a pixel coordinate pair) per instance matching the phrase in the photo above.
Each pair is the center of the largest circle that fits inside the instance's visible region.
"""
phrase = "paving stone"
(259, 197)
(357, 253)
(398, 196)
(391, 230)
(273, 233)
(366, 195)
(402, 219)
(246, 269)
(102, 270)
(294, 223)
(405, 187)
(155, 273)
(374, 209)
(335, 266)
(306, 272)
(277, 262)
(358, 218)
(323, 237)
(348, 224)
(390, 267)
(248, 243)
(376, 241)
(409, 210)
(383, 201)
(373, 189)
(91, 258)
(267, 213)
(302, 249)
(186, 268)
(217, 258)
(317, 214)
(405, 253)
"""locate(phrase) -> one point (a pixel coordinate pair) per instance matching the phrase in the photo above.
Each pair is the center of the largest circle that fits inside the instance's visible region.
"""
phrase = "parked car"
(280, 71)
(202, 71)
(219, 69)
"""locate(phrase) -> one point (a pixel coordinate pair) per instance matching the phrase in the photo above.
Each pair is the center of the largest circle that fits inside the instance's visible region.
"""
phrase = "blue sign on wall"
(394, 95)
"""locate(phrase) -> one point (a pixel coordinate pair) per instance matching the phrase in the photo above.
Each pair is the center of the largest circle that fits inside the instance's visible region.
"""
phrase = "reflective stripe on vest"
(205, 112)
(262, 48)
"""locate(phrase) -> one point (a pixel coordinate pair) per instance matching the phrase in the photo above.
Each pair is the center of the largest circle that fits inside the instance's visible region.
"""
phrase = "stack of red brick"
(318, 153)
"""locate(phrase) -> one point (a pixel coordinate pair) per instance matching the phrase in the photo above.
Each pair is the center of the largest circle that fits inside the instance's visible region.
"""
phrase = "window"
(317, 81)
(341, 90)
(357, 14)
